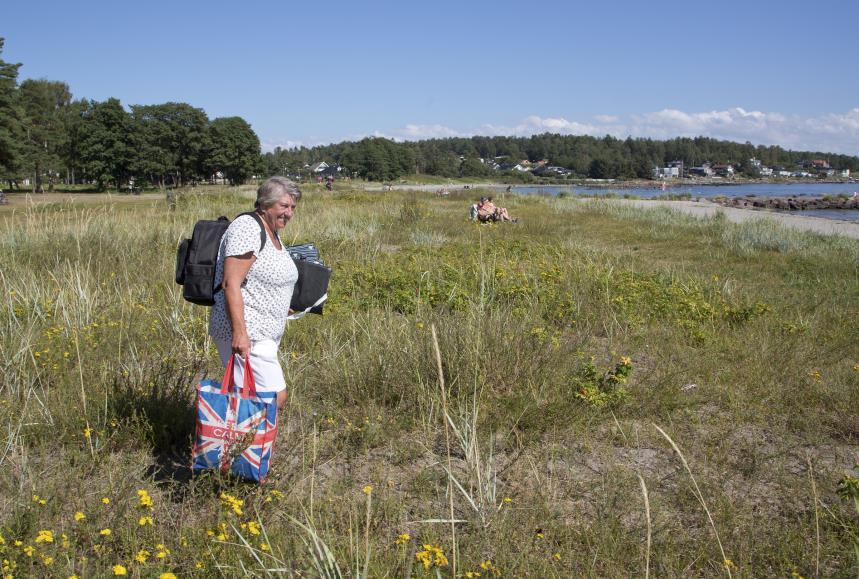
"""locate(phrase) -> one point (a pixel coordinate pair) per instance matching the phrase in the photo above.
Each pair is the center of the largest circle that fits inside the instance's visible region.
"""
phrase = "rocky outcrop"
(790, 203)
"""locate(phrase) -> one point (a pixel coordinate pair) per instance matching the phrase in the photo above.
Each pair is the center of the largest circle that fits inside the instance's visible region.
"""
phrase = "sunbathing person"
(488, 211)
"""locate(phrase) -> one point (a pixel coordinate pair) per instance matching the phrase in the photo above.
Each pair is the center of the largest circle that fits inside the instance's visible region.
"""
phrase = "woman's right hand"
(241, 345)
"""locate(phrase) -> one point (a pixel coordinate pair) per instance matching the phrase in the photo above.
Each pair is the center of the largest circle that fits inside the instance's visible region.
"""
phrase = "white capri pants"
(268, 374)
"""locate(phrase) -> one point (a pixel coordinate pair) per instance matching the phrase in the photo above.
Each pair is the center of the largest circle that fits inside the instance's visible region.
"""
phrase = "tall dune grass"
(560, 340)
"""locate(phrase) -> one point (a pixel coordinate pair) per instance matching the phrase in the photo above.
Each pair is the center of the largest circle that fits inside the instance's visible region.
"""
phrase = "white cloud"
(429, 132)
(832, 132)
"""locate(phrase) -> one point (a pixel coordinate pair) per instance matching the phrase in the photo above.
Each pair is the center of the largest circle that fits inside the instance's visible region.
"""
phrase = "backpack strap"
(262, 235)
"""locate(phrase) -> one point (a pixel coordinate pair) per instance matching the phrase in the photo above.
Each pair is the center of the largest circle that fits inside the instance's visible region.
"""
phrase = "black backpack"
(196, 259)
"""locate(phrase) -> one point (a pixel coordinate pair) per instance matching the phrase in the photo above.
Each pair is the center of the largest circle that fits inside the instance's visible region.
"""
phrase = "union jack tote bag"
(236, 428)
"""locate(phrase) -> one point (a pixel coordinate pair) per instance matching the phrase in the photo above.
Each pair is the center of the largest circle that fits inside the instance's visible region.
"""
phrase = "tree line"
(48, 137)
(381, 159)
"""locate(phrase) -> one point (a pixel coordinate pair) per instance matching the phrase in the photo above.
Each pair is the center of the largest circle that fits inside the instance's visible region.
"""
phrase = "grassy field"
(595, 391)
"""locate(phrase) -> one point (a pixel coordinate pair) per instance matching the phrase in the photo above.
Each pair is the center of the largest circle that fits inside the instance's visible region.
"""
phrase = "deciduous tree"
(44, 103)
(105, 145)
(233, 149)
(10, 118)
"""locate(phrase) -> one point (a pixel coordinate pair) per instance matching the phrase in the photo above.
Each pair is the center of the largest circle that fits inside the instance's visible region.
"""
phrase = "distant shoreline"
(595, 184)
(679, 183)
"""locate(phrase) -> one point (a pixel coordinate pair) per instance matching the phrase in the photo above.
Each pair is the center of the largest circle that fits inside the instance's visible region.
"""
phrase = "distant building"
(844, 173)
(724, 170)
(666, 172)
(552, 170)
(672, 170)
(703, 171)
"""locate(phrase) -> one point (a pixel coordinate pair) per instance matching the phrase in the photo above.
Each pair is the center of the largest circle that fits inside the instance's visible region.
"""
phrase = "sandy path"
(737, 215)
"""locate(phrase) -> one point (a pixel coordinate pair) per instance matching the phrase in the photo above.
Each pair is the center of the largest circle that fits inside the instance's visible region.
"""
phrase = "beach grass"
(598, 390)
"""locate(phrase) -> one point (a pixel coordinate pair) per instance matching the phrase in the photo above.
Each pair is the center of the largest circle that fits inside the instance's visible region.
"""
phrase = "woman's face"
(278, 214)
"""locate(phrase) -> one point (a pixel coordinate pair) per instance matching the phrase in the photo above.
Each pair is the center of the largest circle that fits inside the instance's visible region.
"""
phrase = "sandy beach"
(703, 208)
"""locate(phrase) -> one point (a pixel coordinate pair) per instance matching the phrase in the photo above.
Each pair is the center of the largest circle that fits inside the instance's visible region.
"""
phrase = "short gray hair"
(273, 188)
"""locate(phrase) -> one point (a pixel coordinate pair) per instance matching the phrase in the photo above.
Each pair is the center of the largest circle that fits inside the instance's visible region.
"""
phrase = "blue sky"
(304, 73)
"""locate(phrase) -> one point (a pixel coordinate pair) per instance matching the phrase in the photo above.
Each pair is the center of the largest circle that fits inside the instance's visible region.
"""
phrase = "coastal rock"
(792, 203)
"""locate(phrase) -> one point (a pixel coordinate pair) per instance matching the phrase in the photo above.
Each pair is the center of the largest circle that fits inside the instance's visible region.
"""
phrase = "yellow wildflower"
(403, 539)
(556, 556)
(167, 576)
(729, 564)
(87, 432)
(626, 361)
(79, 516)
(508, 500)
(144, 501)
(45, 537)
(105, 501)
(48, 561)
(253, 528)
(367, 489)
(162, 551)
(142, 556)
(263, 546)
(105, 532)
(432, 555)
(232, 503)
(28, 550)
(119, 570)
(198, 565)
(143, 521)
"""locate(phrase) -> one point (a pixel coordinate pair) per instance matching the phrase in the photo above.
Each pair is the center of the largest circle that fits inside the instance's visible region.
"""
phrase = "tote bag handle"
(228, 383)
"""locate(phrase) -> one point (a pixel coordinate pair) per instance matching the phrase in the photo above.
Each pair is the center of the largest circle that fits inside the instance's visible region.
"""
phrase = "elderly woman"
(249, 316)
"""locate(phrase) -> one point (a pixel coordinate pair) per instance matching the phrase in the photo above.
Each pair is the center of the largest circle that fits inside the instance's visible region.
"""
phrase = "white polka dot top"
(267, 290)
